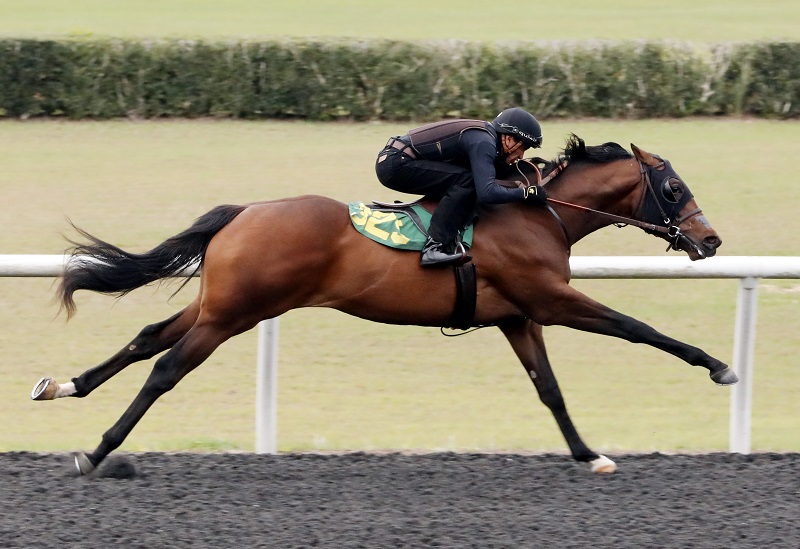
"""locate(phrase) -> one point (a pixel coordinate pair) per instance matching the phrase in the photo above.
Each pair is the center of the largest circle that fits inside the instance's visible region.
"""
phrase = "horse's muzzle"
(702, 250)
(710, 245)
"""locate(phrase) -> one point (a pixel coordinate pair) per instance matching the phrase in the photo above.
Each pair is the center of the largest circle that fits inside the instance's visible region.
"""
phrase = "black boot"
(434, 254)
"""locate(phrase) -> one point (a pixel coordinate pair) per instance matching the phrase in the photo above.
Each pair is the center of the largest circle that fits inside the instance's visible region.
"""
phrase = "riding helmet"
(521, 124)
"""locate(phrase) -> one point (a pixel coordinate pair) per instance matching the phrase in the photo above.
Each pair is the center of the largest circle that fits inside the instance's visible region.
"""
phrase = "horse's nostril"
(712, 242)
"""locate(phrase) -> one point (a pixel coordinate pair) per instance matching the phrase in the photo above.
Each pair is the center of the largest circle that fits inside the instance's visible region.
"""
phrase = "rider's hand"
(535, 194)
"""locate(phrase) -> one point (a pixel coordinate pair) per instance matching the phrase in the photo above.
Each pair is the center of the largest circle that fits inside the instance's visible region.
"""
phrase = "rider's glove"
(535, 194)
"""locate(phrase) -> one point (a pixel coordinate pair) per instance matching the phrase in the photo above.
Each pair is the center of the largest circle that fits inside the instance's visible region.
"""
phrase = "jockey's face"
(513, 149)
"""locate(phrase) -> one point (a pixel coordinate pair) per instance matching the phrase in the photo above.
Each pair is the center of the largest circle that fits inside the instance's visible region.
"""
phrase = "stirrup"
(433, 255)
(465, 257)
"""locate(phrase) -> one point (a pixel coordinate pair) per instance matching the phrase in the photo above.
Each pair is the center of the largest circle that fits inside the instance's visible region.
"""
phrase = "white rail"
(748, 269)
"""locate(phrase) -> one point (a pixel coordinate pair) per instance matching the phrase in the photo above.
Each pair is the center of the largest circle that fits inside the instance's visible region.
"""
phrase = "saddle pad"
(403, 228)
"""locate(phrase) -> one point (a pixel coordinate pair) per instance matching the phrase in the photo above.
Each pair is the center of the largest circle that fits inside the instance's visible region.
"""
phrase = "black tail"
(105, 268)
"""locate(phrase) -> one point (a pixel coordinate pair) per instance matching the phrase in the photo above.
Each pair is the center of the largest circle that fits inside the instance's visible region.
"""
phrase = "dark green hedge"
(393, 80)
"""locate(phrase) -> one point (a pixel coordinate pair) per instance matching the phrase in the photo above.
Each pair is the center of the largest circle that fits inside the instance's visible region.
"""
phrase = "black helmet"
(521, 124)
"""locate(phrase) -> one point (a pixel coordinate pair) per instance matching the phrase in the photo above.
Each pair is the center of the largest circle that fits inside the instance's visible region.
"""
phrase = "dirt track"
(436, 500)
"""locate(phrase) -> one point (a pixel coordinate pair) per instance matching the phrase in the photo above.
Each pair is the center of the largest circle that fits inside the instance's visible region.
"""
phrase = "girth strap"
(466, 297)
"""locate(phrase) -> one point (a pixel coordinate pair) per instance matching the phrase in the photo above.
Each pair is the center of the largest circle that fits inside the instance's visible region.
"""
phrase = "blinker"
(672, 190)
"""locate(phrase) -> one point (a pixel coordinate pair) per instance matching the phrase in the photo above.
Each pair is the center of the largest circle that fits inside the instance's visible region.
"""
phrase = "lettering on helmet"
(516, 130)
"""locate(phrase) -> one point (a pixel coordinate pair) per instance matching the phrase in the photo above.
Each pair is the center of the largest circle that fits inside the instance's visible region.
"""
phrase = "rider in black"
(457, 160)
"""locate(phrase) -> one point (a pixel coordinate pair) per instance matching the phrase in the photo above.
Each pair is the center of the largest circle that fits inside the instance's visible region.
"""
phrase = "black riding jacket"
(477, 149)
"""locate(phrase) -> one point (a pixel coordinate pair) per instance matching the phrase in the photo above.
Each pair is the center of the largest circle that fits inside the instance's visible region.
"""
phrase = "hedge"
(327, 80)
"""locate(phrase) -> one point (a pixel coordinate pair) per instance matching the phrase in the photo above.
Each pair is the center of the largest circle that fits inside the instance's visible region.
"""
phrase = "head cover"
(521, 124)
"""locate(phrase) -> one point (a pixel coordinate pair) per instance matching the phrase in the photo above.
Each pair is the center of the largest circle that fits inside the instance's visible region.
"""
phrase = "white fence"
(747, 269)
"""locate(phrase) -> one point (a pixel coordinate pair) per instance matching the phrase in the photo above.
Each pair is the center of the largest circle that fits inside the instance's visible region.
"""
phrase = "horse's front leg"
(526, 339)
(152, 340)
(575, 310)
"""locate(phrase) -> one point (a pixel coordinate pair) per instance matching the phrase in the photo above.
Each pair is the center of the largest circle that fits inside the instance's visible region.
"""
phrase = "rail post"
(743, 345)
(267, 387)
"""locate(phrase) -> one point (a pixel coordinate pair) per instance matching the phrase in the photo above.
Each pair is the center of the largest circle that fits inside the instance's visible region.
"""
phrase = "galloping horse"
(264, 259)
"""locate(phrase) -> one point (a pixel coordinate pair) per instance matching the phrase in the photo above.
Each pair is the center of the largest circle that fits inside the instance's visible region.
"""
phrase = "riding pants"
(452, 185)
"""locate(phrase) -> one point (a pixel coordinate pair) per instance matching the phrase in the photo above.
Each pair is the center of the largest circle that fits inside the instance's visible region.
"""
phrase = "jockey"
(457, 161)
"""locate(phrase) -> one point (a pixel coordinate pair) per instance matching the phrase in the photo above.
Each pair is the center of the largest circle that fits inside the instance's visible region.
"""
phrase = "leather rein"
(671, 228)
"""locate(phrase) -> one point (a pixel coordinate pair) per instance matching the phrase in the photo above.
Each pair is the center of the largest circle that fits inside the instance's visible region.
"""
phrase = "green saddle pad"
(404, 228)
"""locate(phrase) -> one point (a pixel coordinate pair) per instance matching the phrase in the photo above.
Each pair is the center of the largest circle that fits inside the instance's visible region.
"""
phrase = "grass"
(350, 384)
(683, 20)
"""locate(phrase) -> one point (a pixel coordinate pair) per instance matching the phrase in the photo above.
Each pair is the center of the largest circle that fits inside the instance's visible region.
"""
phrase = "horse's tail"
(105, 268)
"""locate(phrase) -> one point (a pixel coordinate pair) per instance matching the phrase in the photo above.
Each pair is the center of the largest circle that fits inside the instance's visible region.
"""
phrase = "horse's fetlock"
(80, 390)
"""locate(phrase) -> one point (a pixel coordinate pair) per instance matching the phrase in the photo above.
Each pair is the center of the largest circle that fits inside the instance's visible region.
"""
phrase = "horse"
(263, 259)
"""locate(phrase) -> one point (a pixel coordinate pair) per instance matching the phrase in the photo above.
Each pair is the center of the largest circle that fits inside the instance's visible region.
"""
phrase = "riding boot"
(434, 254)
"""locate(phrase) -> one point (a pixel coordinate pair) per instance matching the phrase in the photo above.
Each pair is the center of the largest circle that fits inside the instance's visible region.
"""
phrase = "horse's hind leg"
(526, 339)
(153, 339)
(188, 353)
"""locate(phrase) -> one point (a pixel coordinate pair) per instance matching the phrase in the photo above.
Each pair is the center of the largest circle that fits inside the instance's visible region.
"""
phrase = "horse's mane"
(576, 150)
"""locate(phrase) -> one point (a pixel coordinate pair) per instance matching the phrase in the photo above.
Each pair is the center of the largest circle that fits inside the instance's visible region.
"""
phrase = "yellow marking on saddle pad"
(381, 226)
(396, 229)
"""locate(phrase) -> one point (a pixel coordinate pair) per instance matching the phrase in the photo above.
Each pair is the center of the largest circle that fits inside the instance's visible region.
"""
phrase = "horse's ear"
(644, 156)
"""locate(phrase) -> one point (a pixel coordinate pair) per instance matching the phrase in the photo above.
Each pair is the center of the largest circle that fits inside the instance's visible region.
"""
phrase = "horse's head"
(668, 203)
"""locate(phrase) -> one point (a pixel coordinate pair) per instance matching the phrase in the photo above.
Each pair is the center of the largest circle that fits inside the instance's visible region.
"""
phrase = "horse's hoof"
(46, 389)
(725, 377)
(83, 464)
(603, 465)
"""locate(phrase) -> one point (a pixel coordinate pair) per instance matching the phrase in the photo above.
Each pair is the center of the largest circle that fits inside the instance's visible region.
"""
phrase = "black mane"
(576, 149)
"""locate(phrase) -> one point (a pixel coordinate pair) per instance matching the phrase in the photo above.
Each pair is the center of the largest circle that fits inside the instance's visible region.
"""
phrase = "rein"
(539, 181)
(671, 228)
(618, 218)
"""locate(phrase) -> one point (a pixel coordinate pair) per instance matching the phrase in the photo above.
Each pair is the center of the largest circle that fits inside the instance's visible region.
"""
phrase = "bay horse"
(263, 259)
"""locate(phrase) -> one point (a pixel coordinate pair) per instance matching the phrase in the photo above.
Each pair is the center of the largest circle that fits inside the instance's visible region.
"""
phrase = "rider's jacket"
(472, 144)
(440, 140)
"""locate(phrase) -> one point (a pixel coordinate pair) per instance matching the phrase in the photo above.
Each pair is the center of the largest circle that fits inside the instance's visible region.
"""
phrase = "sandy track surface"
(396, 500)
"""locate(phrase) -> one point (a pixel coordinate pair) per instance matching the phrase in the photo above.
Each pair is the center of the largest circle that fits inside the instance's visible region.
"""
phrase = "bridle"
(670, 228)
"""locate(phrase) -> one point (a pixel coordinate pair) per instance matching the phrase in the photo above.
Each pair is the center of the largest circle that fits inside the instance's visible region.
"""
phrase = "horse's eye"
(672, 190)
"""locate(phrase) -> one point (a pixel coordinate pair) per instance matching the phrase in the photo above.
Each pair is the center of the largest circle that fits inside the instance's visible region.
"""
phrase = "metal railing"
(747, 269)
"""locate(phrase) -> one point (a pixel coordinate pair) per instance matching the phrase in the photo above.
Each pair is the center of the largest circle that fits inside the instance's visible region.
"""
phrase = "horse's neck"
(612, 188)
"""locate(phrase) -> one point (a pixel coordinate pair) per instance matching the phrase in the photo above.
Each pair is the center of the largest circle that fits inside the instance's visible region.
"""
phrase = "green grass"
(684, 20)
(349, 384)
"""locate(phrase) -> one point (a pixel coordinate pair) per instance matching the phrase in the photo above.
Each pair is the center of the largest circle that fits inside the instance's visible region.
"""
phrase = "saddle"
(404, 226)
(401, 225)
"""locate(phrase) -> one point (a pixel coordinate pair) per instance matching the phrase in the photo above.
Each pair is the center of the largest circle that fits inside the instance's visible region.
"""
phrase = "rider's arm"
(482, 151)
